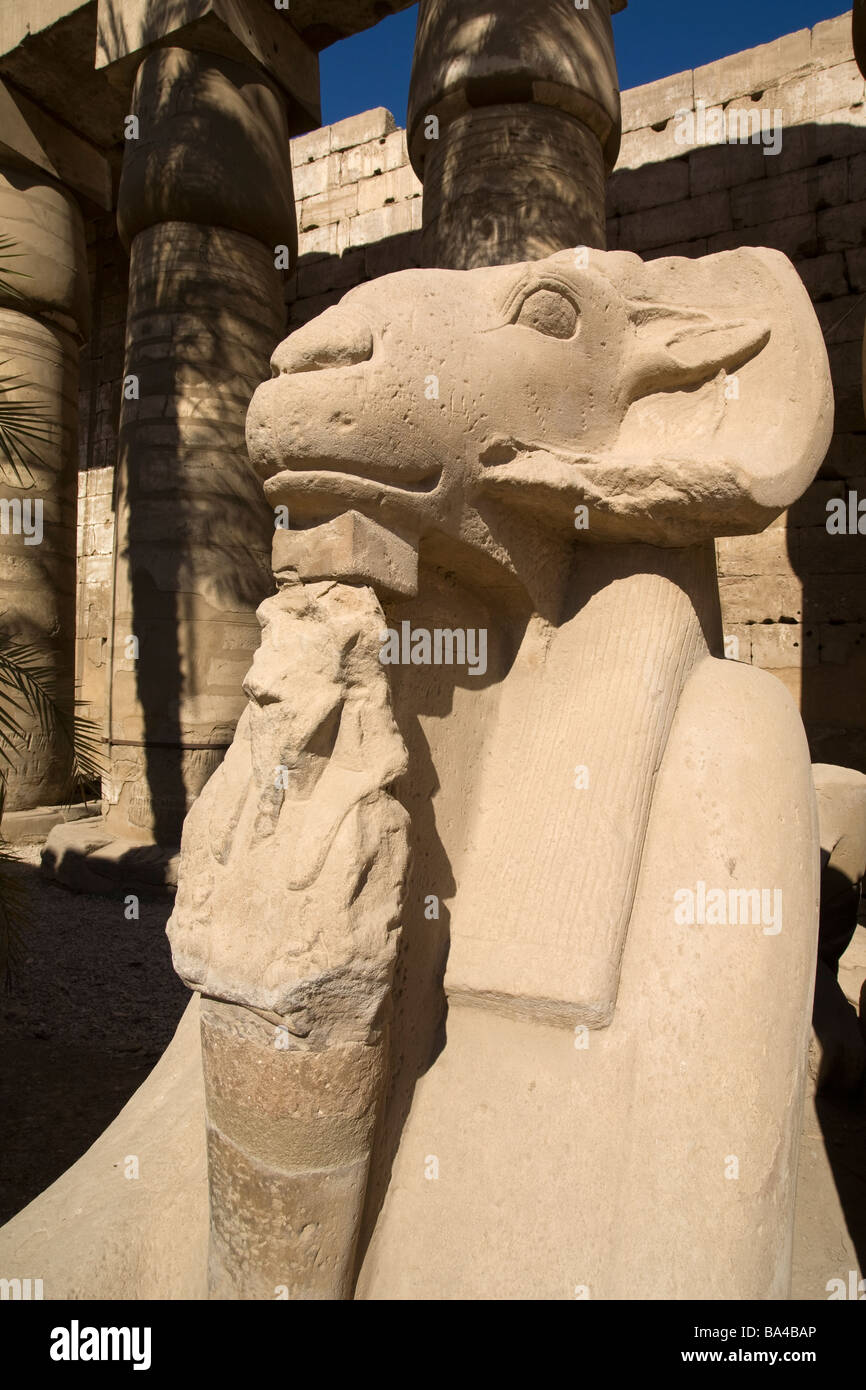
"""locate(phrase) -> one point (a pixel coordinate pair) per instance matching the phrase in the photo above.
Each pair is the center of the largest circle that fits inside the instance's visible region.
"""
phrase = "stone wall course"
(831, 41)
(754, 70)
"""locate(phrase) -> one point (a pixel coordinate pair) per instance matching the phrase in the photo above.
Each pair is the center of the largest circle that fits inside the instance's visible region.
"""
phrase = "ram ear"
(676, 348)
(726, 396)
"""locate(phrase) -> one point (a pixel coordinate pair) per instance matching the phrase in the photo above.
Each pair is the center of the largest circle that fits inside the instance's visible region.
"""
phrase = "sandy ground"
(96, 1002)
(830, 1231)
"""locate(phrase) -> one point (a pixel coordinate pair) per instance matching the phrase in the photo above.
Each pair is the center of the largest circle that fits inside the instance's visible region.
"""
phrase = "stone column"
(205, 198)
(513, 127)
(859, 26)
(41, 329)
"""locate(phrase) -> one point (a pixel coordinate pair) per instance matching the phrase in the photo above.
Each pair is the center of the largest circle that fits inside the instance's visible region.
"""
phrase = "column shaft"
(41, 329)
(205, 198)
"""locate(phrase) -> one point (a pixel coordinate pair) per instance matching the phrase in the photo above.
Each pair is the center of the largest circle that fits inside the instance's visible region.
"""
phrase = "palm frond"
(27, 685)
(23, 423)
(84, 736)
(28, 682)
(6, 255)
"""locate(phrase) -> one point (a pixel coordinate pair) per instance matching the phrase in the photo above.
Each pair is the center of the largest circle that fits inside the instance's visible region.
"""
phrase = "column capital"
(468, 56)
(212, 148)
(248, 31)
(30, 136)
(48, 276)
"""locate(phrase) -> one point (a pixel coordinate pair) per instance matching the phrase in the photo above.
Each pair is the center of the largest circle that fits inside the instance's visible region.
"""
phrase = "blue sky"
(653, 38)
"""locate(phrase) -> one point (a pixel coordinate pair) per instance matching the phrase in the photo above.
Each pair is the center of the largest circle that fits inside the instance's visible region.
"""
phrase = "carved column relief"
(44, 317)
(205, 198)
(514, 126)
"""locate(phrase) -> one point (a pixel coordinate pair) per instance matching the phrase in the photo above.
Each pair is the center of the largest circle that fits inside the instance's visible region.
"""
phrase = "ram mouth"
(321, 475)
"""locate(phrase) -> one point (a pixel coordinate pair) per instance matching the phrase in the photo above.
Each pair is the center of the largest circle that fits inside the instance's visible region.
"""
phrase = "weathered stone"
(331, 206)
(842, 228)
(31, 827)
(85, 855)
(825, 276)
(715, 167)
(655, 102)
(796, 237)
(204, 313)
(649, 146)
(384, 222)
(283, 417)
(236, 29)
(769, 552)
(37, 140)
(768, 200)
(751, 600)
(307, 777)
(357, 130)
(839, 87)
(44, 316)
(350, 548)
(374, 157)
(287, 1156)
(325, 276)
(564, 60)
(329, 240)
(200, 116)
(317, 940)
(213, 295)
(498, 1076)
(311, 179)
(658, 184)
(397, 253)
(315, 145)
(522, 116)
(781, 645)
(831, 41)
(309, 308)
(393, 187)
(706, 216)
(755, 70)
(842, 320)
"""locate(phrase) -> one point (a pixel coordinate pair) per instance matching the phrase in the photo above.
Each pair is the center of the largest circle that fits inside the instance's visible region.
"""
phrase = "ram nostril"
(334, 339)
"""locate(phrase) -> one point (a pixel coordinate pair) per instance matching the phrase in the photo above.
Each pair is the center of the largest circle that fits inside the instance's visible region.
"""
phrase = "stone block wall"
(359, 210)
(794, 598)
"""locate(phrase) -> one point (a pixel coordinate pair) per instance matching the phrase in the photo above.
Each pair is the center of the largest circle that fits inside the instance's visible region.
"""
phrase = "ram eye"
(549, 312)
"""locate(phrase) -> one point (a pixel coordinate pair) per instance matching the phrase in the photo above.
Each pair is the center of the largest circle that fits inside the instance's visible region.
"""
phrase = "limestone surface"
(44, 317)
(593, 423)
(293, 857)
